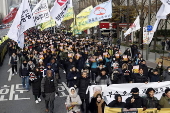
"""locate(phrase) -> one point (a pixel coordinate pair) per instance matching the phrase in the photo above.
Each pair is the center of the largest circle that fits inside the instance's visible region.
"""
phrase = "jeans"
(25, 81)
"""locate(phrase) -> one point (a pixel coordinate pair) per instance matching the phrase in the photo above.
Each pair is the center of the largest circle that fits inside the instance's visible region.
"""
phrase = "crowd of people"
(84, 62)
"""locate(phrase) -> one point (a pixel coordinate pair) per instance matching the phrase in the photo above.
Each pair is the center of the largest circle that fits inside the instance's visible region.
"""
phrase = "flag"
(164, 9)
(82, 21)
(41, 12)
(101, 12)
(59, 9)
(23, 21)
(21, 41)
(134, 27)
(48, 24)
(10, 16)
(70, 13)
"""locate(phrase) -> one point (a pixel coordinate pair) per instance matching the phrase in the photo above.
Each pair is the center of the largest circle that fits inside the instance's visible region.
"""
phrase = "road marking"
(10, 74)
(65, 86)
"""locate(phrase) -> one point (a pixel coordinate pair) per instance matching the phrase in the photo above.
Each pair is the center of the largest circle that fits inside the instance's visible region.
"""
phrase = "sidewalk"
(151, 62)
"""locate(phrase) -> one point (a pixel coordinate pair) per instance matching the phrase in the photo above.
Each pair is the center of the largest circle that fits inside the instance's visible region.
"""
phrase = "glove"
(43, 94)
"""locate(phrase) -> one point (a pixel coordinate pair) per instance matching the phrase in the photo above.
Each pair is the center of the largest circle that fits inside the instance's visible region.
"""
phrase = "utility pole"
(149, 19)
(156, 31)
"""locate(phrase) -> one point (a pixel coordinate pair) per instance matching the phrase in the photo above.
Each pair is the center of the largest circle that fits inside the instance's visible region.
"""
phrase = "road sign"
(149, 28)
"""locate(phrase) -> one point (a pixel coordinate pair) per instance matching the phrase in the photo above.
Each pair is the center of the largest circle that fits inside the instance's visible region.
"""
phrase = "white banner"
(41, 12)
(134, 27)
(101, 12)
(59, 9)
(124, 90)
(23, 21)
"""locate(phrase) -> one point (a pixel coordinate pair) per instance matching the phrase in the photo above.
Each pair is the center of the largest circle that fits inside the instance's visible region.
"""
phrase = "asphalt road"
(3, 32)
(13, 99)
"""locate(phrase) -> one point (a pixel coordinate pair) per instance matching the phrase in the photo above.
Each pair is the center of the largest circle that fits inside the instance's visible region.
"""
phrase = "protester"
(165, 99)
(36, 78)
(83, 84)
(166, 74)
(117, 103)
(13, 60)
(97, 104)
(73, 101)
(48, 89)
(103, 79)
(150, 100)
(24, 74)
(135, 101)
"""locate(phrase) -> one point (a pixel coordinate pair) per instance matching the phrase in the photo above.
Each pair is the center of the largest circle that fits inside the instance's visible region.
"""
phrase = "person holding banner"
(150, 100)
(165, 99)
(135, 101)
(117, 103)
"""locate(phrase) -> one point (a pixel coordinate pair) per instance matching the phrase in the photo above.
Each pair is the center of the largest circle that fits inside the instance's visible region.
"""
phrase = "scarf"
(99, 106)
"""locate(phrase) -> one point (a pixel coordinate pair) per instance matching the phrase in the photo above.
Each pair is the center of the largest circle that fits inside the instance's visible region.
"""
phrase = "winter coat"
(71, 81)
(140, 79)
(49, 85)
(151, 102)
(103, 80)
(154, 78)
(166, 76)
(116, 104)
(36, 84)
(80, 63)
(55, 67)
(73, 98)
(138, 103)
(93, 106)
(83, 84)
(164, 102)
(126, 75)
(13, 60)
(24, 70)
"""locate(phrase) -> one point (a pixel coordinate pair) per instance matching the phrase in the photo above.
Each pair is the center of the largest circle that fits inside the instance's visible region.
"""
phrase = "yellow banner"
(48, 24)
(69, 15)
(81, 20)
(134, 110)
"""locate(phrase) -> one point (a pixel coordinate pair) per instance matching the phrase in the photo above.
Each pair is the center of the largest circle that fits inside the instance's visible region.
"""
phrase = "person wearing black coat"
(73, 77)
(83, 84)
(144, 67)
(140, 77)
(117, 103)
(135, 101)
(155, 77)
(55, 67)
(36, 84)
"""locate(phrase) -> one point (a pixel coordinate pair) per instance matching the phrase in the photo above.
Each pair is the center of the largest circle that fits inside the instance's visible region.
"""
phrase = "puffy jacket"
(166, 75)
(71, 81)
(24, 70)
(140, 79)
(103, 80)
(154, 78)
(164, 102)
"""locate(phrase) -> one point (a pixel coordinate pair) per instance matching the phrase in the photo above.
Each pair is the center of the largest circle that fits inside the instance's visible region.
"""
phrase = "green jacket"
(164, 102)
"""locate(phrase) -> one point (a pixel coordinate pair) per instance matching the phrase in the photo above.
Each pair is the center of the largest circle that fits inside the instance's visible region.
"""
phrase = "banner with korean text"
(101, 12)
(41, 12)
(124, 90)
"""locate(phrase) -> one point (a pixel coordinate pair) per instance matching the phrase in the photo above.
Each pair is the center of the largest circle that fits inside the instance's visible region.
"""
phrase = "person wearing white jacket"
(73, 101)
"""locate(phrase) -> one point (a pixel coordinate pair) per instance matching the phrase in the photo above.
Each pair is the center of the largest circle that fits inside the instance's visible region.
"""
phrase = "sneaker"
(39, 99)
(36, 102)
(13, 74)
(16, 73)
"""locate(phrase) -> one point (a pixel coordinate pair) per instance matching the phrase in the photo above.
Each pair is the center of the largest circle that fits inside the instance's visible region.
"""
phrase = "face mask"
(168, 70)
(159, 65)
(24, 64)
(135, 95)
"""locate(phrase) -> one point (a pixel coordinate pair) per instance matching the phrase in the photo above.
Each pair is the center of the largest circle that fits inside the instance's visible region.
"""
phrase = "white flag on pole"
(101, 12)
(41, 12)
(134, 27)
(59, 9)
(23, 21)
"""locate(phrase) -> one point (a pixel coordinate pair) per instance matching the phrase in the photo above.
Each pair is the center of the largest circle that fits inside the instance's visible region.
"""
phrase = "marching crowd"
(84, 62)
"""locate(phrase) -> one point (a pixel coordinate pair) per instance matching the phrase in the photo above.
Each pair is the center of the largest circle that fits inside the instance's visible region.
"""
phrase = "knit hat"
(48, 64)
(134, 90)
